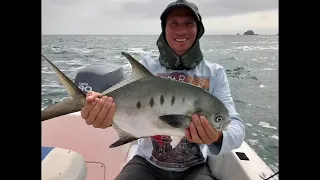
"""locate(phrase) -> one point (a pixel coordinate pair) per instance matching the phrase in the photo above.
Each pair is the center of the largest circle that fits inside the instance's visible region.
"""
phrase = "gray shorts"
(138, 168)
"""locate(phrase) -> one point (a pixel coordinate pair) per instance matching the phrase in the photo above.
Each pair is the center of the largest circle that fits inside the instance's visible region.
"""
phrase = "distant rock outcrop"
(249, 32)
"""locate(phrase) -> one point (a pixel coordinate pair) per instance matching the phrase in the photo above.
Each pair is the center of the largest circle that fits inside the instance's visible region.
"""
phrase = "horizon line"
(154, 34)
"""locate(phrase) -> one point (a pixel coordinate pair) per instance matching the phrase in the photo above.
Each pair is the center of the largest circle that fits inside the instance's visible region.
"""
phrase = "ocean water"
(251, 63)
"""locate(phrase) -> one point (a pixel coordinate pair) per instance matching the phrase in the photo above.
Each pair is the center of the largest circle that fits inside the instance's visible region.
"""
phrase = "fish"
(147, 105)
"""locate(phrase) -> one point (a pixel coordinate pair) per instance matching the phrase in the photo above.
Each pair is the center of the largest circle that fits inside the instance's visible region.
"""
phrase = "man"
(180, 58)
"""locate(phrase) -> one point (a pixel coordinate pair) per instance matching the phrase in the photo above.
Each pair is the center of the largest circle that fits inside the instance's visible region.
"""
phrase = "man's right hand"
(98, 112)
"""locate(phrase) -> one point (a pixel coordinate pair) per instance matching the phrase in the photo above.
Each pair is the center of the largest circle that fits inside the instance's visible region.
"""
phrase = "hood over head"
(193, 56)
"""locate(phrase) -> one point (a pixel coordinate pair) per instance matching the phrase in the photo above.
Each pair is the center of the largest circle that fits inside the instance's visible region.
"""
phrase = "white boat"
(72, 150)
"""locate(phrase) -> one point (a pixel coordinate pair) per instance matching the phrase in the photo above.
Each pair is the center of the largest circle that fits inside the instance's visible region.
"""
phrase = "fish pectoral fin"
(175, 120)
(124, 137)
(175, 141)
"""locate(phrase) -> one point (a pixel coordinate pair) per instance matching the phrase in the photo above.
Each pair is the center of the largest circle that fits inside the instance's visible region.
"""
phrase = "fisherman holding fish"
(180, 59)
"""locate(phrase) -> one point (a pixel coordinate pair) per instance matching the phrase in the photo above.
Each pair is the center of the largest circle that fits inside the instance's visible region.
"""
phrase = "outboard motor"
(98, 78)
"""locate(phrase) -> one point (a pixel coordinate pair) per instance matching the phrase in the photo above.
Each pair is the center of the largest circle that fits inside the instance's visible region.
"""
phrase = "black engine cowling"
(98, 78)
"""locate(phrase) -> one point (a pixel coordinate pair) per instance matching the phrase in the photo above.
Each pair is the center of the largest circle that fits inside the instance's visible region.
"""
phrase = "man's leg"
(137, 169)
(199, 172)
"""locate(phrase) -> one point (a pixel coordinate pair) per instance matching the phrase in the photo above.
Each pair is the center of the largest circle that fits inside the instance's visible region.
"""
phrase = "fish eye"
(218, 119)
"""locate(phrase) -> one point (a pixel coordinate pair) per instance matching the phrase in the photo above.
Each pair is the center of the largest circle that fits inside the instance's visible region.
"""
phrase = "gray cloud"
(59, 2)
(133, 16)
(151, 9)
(208, 8)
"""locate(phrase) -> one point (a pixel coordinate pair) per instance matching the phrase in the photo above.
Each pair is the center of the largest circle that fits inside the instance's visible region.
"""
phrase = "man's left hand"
(201, 132)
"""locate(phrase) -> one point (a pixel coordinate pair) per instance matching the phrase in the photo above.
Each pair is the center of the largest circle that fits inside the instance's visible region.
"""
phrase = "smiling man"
(180, 59)
(180, 29)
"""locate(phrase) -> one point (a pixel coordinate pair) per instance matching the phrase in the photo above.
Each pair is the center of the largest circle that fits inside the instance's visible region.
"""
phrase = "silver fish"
(147, 105)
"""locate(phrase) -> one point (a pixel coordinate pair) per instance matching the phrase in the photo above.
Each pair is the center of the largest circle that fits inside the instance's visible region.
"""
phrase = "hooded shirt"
(191, 68)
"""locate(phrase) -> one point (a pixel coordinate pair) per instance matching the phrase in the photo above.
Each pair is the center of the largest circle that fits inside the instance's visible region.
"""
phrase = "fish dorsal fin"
(138, 72)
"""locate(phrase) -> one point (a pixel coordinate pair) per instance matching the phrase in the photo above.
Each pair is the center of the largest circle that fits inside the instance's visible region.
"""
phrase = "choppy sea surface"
(251, 63)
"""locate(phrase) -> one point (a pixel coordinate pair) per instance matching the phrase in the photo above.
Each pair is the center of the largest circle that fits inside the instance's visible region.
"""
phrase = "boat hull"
(104, 163)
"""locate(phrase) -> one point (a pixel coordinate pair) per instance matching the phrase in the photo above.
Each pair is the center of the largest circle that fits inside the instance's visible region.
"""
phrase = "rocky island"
(249, 32)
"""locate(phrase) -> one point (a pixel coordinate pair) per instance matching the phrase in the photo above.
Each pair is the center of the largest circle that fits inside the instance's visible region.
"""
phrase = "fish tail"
(74, 103)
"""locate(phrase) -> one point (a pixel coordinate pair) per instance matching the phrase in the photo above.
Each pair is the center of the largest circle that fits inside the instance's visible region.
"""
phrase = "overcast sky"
(143, 16)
